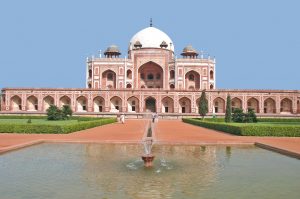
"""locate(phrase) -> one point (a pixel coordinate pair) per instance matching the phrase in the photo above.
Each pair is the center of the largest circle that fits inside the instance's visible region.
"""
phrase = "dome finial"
(151, 22)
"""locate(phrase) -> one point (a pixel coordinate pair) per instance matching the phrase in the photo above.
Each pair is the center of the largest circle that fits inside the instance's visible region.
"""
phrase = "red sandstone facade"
(150, 79)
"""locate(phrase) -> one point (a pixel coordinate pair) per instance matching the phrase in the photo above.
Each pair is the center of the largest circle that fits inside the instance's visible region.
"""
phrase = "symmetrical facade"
(150, 79)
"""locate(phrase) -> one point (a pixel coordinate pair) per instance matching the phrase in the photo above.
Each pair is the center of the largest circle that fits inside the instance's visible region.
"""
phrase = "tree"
(54, 113)
(66, 112)
(228, 109)
(203, 105)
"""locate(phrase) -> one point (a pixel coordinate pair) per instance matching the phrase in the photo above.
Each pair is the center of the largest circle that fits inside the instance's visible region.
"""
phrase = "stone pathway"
(166, 131)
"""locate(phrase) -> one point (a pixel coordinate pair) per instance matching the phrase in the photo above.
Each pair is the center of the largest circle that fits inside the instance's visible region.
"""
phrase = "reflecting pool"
(117, 171)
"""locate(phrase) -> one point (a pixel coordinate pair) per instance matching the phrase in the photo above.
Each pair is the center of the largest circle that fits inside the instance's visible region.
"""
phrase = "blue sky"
(45, 43)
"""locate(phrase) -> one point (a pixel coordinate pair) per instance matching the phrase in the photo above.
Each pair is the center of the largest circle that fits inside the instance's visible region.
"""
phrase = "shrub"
(29, 121)
(66, 112)
(238, 115)
(54, 113)
(241, 117)
(250, 117)
(249, 129)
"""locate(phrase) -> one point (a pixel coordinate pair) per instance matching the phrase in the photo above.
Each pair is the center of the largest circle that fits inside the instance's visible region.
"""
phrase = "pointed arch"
(47, 102)
(253, 103)
(109, 79)
(150, 104)
(16, 103)
(133, 104)
(148, 74)
(236, 103)
(269, 105)
(286, 105)
(172, 74)
(211, 75)
(192, 80)
(115, 104)
(185, 105)
(98, 104)
(219, 105)
(81, 104)
(167, 105)
(64, 100)
(129, 74)
(32, 103)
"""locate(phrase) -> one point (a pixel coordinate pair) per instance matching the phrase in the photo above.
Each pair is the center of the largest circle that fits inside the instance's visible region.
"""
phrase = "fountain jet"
(148, 157)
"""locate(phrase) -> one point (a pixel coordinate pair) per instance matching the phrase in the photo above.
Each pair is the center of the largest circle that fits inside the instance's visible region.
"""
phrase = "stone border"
(278, 150)
(19, 146)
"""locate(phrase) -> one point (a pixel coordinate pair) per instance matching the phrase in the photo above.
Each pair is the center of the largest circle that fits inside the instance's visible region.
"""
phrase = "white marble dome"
(151, 38)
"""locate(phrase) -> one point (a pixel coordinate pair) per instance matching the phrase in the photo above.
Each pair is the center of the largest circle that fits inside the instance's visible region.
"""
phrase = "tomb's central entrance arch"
(150, 105)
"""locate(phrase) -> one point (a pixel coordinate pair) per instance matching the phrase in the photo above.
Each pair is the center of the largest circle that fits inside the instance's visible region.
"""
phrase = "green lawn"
(37, 121)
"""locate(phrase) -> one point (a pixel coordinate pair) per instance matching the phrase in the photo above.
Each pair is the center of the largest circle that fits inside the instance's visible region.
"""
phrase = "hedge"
(45, 117)
(249, 129)
(278, 119)
(54, 129)
(264, 119)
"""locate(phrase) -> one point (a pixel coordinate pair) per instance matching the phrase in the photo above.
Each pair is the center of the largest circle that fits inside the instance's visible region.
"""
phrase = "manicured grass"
(288, 129)
(18, 124)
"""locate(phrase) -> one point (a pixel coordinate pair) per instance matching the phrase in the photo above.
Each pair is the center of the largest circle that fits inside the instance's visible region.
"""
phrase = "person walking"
(122, 118)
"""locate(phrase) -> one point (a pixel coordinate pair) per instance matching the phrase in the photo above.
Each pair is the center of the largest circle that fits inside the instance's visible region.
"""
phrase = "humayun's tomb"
(150, 79)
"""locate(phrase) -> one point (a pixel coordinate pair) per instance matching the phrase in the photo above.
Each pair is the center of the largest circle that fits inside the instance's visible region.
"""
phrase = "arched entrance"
(132, 104)
(269, 106)
(185, 105)
(286, 105)
(109, 79)
(16, 103)
(47, 102)
(167, 105)
(98, 104)
(236, 103)
(219, 105)
(65, 100)
(253, 103)
(150, 103)
(150, 75)
(81, 104)
(192, 80)
(32, 103)
(115, 104)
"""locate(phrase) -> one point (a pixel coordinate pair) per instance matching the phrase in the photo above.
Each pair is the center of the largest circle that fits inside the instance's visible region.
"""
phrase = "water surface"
(116, 171)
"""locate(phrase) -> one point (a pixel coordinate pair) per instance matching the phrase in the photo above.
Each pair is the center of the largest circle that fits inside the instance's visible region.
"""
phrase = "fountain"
(148, 157)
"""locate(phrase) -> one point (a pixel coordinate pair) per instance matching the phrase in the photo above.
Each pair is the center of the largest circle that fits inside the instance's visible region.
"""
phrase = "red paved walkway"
(167, 131)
